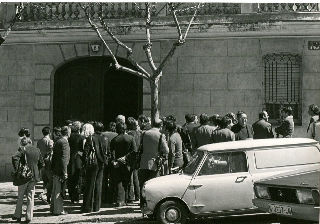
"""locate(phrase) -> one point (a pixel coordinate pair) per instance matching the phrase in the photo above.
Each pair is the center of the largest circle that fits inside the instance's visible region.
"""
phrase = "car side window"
(220, 163)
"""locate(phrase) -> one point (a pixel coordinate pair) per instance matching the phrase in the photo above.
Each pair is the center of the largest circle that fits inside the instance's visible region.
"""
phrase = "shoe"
(17, 219)
(85, 211)
(62, 213)
(28, 221)
(119, 204)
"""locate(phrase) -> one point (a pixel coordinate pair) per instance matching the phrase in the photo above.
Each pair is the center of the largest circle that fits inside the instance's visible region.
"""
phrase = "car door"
(223, 183)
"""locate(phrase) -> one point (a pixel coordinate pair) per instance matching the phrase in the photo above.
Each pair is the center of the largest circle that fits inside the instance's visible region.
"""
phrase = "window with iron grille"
(282, 84)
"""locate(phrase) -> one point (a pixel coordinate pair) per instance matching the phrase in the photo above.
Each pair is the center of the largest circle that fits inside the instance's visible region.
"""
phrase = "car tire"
(171, 212)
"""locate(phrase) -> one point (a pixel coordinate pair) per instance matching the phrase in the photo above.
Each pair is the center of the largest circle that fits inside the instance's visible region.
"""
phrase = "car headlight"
(305, 196)
(261, 191)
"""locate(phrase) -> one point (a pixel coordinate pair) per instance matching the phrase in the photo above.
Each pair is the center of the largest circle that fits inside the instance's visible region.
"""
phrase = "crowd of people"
(83, 161)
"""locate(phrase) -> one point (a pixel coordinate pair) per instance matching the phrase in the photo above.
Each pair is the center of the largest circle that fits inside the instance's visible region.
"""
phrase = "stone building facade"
(221, 67)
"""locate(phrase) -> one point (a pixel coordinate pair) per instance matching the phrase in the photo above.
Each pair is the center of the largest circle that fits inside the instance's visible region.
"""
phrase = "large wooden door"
(78, 91)
(123, 94)
(90, 90)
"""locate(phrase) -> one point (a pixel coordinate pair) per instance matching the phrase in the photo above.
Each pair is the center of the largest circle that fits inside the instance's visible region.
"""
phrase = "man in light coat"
(153, 143)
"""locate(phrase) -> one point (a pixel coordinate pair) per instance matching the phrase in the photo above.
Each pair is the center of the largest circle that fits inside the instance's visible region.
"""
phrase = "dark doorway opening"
(89, 89)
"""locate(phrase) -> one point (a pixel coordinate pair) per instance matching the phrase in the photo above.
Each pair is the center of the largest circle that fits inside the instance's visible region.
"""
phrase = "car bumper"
(299, 211)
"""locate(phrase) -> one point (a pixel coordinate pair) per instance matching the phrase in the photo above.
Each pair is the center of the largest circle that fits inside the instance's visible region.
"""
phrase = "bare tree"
(156, 72)
(13, 21)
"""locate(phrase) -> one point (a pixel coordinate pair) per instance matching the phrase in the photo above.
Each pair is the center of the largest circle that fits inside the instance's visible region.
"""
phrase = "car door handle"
(240, 179)
(194, 186)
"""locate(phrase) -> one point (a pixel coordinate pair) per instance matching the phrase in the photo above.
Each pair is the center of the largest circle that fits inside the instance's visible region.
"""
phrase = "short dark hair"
(261, 114)
(214, 119)
(131, 123)
(239, 113)
(65, 130)
(98, 127)
(190, 118)
(171, 118)
(112, 126)
(225, 121)
(287, 110)
(157, 123)
(232, 116)
(45, 130)
(121, 127)
(171, 125)
(76, 126)
(143, 118)
(314, 108)
(24, 132)
(204, 118)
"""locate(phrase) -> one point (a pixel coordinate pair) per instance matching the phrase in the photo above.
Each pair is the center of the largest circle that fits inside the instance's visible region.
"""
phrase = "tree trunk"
(154, 100)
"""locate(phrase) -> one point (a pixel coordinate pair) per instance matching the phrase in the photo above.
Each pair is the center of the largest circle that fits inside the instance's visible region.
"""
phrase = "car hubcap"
(172, 214)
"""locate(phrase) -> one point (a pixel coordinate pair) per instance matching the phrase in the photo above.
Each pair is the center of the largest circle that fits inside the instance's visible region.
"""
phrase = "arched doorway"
(88, 89)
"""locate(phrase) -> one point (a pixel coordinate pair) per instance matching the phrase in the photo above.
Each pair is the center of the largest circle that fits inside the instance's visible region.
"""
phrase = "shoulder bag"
(23, 174)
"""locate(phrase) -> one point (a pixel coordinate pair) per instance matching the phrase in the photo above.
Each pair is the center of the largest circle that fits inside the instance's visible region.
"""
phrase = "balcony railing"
(70, 11)
(73, 11)
(288, 7)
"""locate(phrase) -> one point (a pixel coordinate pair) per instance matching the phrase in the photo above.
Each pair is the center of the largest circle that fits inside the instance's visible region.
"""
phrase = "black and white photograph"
(204, 112)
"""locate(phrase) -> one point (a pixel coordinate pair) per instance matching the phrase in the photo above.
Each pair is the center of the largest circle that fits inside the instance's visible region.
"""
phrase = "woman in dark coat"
(75, 164)
(95, 150)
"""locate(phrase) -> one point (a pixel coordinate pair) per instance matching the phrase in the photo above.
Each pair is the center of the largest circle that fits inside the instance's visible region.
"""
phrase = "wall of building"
(205, 75)
(223, 75)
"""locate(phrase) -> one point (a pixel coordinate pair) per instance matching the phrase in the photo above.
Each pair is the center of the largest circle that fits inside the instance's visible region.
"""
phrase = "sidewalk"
(107, 214)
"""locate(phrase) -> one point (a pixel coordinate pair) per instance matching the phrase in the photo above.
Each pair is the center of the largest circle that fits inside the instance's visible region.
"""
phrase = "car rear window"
(279, 157)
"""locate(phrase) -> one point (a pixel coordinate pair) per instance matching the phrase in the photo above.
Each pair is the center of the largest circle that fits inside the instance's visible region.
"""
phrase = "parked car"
(294, 195)
(219, 179)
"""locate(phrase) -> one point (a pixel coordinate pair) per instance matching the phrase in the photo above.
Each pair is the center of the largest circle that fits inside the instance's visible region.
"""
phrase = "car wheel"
(171, 212)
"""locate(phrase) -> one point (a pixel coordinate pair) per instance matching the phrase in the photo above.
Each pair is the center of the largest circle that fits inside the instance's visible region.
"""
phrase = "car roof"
(256, 143)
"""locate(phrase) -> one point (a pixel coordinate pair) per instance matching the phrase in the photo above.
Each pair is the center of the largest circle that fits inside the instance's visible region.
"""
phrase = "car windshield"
(192, 166)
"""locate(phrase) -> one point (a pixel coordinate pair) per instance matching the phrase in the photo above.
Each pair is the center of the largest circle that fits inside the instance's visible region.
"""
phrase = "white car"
(219, 180)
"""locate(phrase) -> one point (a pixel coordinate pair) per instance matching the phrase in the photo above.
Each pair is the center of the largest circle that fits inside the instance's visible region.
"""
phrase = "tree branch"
(168, 56)
(180, 40)
(143, 73)
(95, 27)
(176, 20)
(107, 28)
(191, 21)
(19, 11)
(134, 72)
(147, 46)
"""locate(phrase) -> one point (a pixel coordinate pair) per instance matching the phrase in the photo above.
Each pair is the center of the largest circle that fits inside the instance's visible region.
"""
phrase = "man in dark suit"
(223, 134)
(75, 164)
(107, 192)
(262, 128)
(242, 129)
(60, 160)
(202, 135)
(121, 146)
(33, 158)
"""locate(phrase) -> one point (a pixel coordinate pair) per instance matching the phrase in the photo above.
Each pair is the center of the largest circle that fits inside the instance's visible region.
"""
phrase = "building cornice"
(232, 26)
